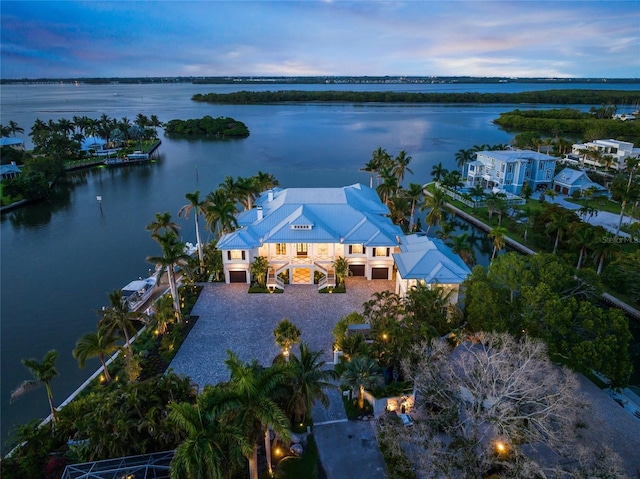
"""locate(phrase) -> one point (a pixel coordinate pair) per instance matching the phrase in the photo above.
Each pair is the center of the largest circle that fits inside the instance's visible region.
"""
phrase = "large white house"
(618, 151)
(510, 170)
(302, 231)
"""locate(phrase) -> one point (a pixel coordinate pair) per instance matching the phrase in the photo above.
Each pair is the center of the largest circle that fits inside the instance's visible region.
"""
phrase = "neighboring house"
(15, 143)
(301, 231)
(617, 150)
(430, 261)
(9, 171)
(509, 170)
(570, 180)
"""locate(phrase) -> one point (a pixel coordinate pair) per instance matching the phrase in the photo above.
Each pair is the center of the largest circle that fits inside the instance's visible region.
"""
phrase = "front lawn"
(305, 467)
(601, 204)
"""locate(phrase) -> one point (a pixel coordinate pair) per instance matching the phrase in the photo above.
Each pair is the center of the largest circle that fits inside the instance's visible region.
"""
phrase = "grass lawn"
(305, 467)
(601, 204)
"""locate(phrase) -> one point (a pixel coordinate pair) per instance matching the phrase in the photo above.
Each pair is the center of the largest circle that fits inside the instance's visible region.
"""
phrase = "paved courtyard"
(232, 319)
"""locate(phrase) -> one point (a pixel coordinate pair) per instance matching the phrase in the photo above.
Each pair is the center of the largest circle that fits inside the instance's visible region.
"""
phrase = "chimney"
(269, 195)
(260, 215)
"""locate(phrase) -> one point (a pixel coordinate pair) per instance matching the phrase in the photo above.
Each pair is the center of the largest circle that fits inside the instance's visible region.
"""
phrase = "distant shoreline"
(314, 80)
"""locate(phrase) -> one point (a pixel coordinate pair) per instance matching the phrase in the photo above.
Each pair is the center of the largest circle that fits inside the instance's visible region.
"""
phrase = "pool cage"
(147, 466)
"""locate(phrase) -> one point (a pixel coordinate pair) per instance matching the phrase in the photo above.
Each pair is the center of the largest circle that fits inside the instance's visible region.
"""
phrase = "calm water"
(60, 259)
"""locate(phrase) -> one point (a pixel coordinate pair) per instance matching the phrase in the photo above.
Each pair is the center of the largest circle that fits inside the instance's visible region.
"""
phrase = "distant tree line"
(221, 127)
(588, 125)
(556, 97)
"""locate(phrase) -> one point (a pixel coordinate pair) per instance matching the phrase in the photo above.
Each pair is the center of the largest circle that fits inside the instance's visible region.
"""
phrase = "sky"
(145, 38)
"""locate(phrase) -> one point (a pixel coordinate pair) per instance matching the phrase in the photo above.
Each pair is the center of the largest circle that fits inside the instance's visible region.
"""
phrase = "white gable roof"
(429, 259)
(350, 215)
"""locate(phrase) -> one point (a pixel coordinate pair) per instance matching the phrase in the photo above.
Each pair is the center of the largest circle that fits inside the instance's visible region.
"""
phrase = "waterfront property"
(430, 261)
(569, 181)
(510, 170)
(302, 231)
(610, 153)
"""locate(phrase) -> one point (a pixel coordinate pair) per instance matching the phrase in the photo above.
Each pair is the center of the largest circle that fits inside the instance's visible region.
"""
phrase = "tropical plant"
(498, 235)
(198, 206)
(414, 193)
(401, 166)
(341, 267)
(173, 254)
(97, 344)
(117, 318)
(43, 373)
(310, 380)
(286, 335)
(250, 399)
(163, 224)
(436, 202)
(208, 449)
(361, 373)
(438, 172)
(460, 245)
(220, 213)
(259, 269)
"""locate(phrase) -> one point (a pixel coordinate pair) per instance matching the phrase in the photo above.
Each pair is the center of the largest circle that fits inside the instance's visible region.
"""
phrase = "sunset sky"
(70, 39)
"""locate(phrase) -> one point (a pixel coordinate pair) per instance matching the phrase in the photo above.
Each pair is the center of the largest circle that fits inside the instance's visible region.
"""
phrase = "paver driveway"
(232, 319)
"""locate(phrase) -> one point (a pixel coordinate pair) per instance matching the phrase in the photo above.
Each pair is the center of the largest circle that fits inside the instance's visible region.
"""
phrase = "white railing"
(273, 281)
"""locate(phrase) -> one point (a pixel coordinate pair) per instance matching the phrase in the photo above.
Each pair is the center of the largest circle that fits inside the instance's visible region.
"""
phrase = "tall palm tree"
(361, 372)
(388, 187)
(220, 213)
(582, 236)
(382, 160)
(632, 164)
(438, 172)
(247, 190)
(14, 128)
(436, 203)
(463, 157)
(370, 167)
(43, 373)
(211, 440)
(399, 208)
(250, 397)
(414, 193)
(97, 344)
(310, 380)
(162, 224)
(265, 181)
(117, 318)
(199, 208)
(498, 235)
(155, 123)
(603, 249)
(172, 255)
(401, 166)
(558, 222)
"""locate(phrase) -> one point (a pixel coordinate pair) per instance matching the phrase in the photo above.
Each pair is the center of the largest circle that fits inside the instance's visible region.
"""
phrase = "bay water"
(60, 258)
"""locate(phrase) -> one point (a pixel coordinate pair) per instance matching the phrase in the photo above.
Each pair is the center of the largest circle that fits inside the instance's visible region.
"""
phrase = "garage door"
(356, 269)
(379, 273)
(238, 276)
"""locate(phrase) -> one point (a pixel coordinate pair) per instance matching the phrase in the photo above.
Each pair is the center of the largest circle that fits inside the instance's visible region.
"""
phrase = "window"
(301, 249)
(502, 167)
(323, 249)
(281, 248)
(379, 251)
(511, 168)
(549, 175)
(526, 174)
(356, 249)
(235, 254)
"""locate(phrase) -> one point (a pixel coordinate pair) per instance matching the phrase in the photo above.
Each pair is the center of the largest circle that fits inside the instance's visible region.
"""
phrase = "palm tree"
(414, 193)
(117, 317)
(401, 166)
(460, 245)
(498, 235)
(199, 208)
(606, 247)
(97, 344)
(558, 222)
(370, 167)
(210, 440)
(220, 213)
(399, 209)
(14, 128)
(162, 225)
(172, 255)
(381, 159)
(438, 172)
(265, 181)
(259, 269)
(309, 381)
(582, 236)
(631, 166)
(341, 267)
(361, 372)
(286, 335)
(250, 397)
(43, 373)
(155, 124)
(436, 202)
(388, 186)
(446, 228)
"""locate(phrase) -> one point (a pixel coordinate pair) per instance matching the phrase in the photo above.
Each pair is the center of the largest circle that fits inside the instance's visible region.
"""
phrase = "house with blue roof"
(429, 261)
(569, 180)
(15, 143)
(510, 170)
(302, 231)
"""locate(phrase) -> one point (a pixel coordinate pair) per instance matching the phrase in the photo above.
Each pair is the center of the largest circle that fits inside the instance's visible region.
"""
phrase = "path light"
(501, 448)
(385, 336)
